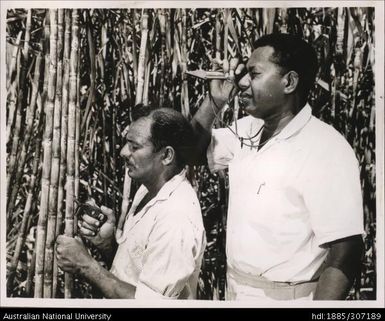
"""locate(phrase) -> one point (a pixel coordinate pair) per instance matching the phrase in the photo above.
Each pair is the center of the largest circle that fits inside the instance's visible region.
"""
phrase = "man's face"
(143, 164)
(262, 88)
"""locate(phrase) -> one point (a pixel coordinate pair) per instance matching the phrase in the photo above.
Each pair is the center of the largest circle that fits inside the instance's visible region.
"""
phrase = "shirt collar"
(164, 193)
(170, 186)
(296, 124)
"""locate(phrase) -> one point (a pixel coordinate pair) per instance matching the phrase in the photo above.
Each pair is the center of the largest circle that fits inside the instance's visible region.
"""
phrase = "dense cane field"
(73, 77)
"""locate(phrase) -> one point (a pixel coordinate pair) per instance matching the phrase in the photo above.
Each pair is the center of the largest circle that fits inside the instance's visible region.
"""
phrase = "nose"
(244, 83)
(125, 152)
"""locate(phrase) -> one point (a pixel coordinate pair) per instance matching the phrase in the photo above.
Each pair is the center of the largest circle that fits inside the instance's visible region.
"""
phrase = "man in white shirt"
(295, 214)
(160, 248)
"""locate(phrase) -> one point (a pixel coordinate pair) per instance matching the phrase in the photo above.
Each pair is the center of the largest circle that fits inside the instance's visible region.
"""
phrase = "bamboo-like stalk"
(226, 17)
(77, 136)
(126, 198)
(13, 62)
(104, 150)
(12, 86)
(185, 98)
(27, 210)
(70, 191)
(104, 98)
(27, 135)
(113, 138)
(55, 163)
(134, 46)
(146, 81)
(125, 79)
(63, 138)
(30, 274)
(218, 36)
(171, 54)
(19, 106)
(47, 158)
(125, 83)
(218, 56)
(91, 95)
(127, 179)
(142, 58)
(12, 103)
(162, 24)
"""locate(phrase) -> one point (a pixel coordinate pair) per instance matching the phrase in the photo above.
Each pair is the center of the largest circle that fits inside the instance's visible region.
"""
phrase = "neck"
(275, 124)
(154, 186)
(285, 113)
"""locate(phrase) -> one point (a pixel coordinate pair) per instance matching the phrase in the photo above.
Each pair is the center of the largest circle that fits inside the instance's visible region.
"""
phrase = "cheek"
(265, 89)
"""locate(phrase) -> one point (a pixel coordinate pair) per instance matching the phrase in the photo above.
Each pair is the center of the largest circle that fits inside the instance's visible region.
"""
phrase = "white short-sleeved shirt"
(161, 248)
(297, 192)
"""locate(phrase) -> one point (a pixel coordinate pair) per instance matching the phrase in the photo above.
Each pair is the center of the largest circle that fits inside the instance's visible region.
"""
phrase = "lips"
(129, 165)
(244, 100)
(245, 96)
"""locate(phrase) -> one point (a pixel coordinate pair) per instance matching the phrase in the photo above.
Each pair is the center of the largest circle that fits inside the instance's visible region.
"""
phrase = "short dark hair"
(293, 53)
(170, 128)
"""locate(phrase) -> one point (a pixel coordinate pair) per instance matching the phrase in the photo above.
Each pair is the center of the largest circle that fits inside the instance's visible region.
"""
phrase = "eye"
(254, 74)
(134, 147)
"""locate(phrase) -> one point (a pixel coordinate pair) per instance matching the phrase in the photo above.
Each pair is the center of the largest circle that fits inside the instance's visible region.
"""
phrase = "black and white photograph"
(192, 154)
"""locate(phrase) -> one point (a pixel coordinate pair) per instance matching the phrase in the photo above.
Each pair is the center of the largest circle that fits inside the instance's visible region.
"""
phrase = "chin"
(252, 111)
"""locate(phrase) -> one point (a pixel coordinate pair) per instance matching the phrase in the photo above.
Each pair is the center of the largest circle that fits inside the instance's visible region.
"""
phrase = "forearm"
(108, 250)
(342, 266)
(332, 285)
(108, 283)
(202, 123)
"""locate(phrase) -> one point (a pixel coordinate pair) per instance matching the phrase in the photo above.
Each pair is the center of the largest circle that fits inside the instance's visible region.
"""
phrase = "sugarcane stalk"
(218, 55)
(77, 137)
(134, 46)
(113, 139)
(91, 98)
(63, 138)
(30, 274)
(162, 24)
(43, 98)
(55, 163)
(142, 58)
(27, 211)
(125, 199)
(27, 135)
(12, 85)
(172, 54)
(70, 186)
(12, 103)
(226, 17)
(47, 158)
(104, 149)
(125, 79)
(146, 81)
(91, 95)
(12, 162)
(12, 71)
(185, 98)
(218, 36)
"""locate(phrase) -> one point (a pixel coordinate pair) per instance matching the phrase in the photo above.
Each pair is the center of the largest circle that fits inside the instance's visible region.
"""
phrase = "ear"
(290, 81)
(168, 155)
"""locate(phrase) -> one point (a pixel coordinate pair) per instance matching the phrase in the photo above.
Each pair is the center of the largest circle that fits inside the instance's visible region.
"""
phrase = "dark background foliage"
(108, 77)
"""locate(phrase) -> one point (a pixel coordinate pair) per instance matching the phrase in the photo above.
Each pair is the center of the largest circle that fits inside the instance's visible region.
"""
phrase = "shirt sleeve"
(225, 142)
(332, 193)
(169, 260)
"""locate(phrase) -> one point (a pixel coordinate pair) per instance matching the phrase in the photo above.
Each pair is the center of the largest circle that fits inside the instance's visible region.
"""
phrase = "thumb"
(109, 213)
(79, 239)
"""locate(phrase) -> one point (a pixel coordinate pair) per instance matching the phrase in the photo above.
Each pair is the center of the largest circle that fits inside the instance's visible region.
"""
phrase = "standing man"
(295, 214)
(160, 249)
